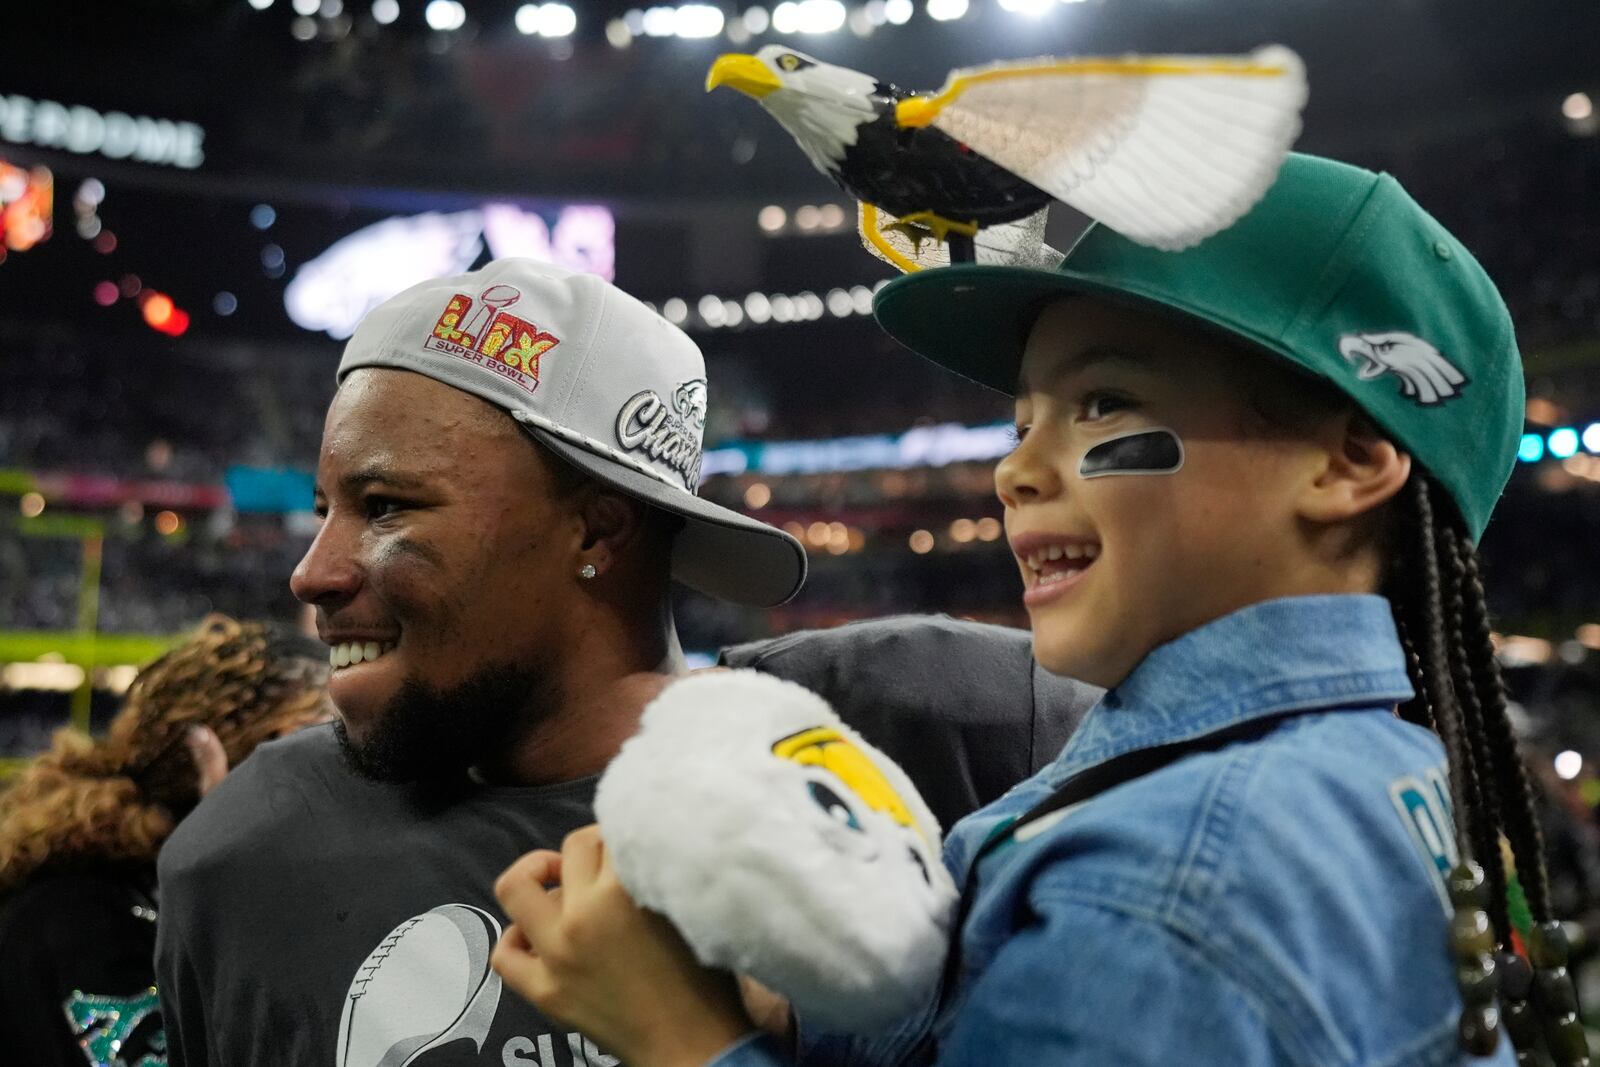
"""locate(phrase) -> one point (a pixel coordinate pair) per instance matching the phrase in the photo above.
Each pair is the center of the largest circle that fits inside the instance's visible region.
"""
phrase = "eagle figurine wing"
(1165, 150)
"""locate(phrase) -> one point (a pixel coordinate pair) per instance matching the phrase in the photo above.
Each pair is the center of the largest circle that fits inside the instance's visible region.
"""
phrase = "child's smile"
(1052, 564)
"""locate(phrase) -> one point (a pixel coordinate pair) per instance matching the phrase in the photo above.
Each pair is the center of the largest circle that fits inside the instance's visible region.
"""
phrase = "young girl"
(1245, 496)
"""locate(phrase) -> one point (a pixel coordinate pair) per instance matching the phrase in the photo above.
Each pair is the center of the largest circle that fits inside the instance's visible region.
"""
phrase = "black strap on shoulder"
(1089, 783)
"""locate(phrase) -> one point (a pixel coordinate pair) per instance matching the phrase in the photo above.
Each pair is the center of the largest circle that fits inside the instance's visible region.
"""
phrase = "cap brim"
(719, 552)
(974, 318)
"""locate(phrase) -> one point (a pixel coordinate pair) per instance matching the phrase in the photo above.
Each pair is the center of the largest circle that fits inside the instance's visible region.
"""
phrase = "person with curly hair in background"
(81, 825)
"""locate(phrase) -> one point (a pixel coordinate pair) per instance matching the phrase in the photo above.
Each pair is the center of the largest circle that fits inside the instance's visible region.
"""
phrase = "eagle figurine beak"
(748, 74)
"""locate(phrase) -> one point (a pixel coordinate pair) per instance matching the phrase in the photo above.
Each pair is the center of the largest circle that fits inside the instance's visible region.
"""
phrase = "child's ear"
(1362, 470)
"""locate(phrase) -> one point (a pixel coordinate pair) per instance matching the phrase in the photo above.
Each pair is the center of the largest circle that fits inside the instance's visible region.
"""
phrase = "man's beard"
(428, 734)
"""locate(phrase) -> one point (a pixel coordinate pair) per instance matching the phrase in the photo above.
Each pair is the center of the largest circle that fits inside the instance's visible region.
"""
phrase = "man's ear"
(612, 523)
(1361, 470)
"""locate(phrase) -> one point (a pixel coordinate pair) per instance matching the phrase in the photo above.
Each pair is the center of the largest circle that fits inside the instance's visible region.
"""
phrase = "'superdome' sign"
(113, 134)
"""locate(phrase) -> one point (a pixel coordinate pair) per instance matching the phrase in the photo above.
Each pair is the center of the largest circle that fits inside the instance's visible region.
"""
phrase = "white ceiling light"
(756, 20)
(660, 22)
(557, 20)
(1577, 107)
(385, 12)
(260, 5)
(445, 15)
(618, 34)
(898, 12)
(1032, 8)
(946, 10)
(821, 16)
(698, 20)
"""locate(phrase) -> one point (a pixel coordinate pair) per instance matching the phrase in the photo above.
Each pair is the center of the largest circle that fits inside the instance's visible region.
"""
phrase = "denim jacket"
(1277, 900)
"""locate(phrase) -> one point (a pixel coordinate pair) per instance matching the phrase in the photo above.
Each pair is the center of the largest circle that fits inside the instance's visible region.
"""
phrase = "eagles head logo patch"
(690, 401)
(1426, 376)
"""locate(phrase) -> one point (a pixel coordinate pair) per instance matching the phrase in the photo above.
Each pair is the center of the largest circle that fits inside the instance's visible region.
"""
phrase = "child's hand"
(587, 955)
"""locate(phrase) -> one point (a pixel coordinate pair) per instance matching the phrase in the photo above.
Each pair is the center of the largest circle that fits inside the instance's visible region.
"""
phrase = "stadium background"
(199, 198)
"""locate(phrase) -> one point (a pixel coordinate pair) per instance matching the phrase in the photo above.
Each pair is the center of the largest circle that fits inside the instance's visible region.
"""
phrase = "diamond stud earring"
(587, 571)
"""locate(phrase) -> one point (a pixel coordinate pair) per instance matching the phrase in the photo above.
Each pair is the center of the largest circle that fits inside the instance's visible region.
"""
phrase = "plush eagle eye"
(791, 62)
(834, 805)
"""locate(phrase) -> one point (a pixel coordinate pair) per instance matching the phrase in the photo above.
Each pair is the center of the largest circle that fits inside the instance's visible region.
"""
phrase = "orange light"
(921, 542)
(168, 523)
(157, 309)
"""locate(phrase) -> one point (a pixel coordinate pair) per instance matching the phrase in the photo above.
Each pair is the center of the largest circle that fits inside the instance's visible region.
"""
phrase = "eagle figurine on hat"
(1165, 150)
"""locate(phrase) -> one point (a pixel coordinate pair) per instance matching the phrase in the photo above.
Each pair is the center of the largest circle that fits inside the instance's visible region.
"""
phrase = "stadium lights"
(809, 16)
(305, 8)
(445, 15)
(1031, 8)
(1577, 107)
(260, 5)
(384, 12)
(1563, 443)
(1560, 443)
(546, 20)
(714, 313)
(1569, 764)
(698, 21)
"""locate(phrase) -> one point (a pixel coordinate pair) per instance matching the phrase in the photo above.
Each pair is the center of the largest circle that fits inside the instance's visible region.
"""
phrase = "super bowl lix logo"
(491, 338)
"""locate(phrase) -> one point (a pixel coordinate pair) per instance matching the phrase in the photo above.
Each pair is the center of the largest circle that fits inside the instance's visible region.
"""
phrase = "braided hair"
(115, 799)
(1436, 593)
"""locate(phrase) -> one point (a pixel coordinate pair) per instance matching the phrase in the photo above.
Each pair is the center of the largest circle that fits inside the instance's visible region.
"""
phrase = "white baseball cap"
(597, 378)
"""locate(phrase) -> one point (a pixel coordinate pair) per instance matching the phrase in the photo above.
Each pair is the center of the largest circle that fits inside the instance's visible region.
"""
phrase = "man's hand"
(587, 955)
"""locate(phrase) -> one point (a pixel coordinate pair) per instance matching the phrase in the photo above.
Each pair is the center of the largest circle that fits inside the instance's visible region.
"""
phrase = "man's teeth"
(352, 652)
(1080, 553)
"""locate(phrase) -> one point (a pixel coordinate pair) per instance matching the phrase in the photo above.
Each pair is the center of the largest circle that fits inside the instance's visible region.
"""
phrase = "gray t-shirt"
(310, 917)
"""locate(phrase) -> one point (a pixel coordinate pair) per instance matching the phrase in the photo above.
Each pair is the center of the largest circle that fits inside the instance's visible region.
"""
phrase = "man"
(507, 483)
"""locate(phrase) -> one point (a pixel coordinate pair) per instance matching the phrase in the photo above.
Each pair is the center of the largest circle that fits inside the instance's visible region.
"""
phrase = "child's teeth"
(372, 650)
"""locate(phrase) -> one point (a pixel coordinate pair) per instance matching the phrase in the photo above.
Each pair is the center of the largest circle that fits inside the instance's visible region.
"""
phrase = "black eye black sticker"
(1141, 452)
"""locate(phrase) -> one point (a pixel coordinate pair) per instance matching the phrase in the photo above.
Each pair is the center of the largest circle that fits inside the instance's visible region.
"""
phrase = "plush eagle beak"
(748, 74)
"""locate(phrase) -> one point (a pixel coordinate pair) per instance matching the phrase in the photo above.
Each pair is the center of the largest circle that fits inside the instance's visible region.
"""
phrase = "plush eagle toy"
(1165, 150)
(782, 846)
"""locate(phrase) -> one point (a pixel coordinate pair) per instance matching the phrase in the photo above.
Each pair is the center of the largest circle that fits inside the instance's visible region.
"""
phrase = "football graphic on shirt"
(425, 985)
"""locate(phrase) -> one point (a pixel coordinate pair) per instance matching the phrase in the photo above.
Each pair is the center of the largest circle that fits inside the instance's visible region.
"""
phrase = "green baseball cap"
(1337, 270)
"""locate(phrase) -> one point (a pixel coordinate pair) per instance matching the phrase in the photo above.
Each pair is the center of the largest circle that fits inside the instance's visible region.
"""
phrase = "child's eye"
(1016, 434)
(1103, 405)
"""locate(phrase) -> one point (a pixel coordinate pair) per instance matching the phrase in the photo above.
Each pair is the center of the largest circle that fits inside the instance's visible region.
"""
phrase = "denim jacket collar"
(1291, 654)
